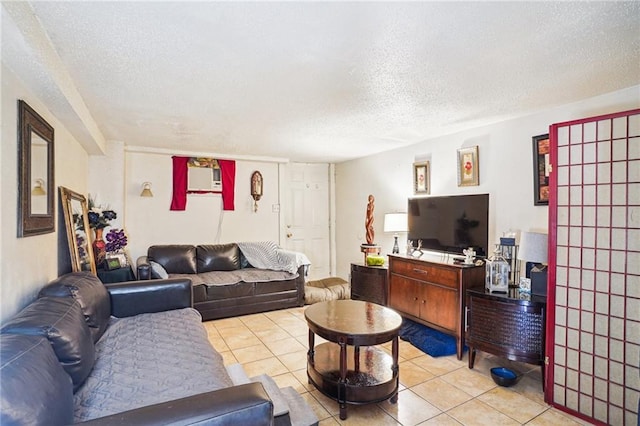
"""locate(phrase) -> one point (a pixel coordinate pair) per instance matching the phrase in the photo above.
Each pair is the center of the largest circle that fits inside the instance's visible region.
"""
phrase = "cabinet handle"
(424, 302)
(420, 271)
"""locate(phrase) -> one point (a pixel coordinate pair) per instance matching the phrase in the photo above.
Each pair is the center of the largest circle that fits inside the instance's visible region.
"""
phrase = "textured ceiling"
(330, 81)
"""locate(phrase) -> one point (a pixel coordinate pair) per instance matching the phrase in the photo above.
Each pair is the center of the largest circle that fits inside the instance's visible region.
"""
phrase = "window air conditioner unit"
(204, 179)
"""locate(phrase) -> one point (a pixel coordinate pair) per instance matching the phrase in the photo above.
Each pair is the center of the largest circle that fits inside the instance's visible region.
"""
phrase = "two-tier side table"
(350, 368)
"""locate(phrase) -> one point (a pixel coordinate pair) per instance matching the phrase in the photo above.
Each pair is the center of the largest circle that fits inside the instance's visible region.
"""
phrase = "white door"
(306, 217)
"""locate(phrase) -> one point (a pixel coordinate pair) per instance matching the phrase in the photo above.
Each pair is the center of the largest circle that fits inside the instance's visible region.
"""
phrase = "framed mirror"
(76, 220)
(35, 173)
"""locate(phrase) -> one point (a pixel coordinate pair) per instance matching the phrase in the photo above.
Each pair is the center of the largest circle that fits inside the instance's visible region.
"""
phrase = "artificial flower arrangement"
(99, 218)
(116, 240)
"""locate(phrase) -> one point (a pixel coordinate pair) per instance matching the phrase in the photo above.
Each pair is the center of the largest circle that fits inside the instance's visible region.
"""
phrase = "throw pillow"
(158, 270)
(218, 257)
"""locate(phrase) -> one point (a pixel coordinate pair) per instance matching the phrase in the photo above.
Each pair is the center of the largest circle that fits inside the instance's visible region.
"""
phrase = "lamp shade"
(395, 222)
(146, 190)
(38, 189)
(533, 247)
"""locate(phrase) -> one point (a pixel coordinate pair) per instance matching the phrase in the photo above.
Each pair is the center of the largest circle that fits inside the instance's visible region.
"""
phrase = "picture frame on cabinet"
(468, 167)
(541, 168)
(113, 263)
(421, 178)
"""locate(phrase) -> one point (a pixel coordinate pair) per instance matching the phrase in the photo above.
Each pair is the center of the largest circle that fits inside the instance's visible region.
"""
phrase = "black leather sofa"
(49, 353)
(225, 284)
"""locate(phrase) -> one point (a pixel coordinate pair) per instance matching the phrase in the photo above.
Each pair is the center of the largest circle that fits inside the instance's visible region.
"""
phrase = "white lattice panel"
(595, 335)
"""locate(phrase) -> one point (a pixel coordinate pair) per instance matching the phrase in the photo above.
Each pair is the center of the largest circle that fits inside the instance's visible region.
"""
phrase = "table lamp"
(533, 250)
(395, 222)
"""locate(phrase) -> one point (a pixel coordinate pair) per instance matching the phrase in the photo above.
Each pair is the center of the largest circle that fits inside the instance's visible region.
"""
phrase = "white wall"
(29, 263)
(106, 180)
(506, 173)
(149, 221)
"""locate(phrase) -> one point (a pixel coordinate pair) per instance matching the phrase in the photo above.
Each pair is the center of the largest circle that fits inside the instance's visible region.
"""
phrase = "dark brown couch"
(225, 284)
(64, 357)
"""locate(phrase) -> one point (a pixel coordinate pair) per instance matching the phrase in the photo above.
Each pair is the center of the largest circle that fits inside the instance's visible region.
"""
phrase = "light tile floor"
(433, 391)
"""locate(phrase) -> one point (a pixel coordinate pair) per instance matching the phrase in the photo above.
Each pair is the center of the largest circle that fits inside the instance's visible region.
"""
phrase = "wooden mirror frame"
(31, 222)
(76, 221)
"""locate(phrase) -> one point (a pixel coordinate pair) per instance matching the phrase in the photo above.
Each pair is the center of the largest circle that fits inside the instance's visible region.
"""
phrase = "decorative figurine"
(368, 222)
(370, 247)
(418, 251)
(409, 247)
(469, 256)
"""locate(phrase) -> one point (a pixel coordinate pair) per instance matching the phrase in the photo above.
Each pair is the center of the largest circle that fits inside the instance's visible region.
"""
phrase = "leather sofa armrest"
(246, 404)
(131, 298)
(143, 268)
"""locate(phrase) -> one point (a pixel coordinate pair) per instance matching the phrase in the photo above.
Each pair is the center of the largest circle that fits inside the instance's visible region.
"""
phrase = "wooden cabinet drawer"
(424, 272)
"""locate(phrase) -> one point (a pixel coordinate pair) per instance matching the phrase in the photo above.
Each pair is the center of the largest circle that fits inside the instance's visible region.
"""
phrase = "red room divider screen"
(593, 327)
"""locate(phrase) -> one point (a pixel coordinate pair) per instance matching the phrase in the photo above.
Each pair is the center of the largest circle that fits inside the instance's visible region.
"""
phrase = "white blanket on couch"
(268, 255)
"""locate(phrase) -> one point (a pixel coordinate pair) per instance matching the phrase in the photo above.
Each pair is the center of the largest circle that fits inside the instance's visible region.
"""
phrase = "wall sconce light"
(38, 189)
(256, 188)
(146, 190)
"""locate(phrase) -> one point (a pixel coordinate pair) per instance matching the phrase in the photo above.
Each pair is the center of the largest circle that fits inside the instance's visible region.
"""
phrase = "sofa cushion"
(34, 388)
(218, 257)
(158, 270)
(174, 258)
(332, 288)
(148, 359)
(61, 321)
(248, 275)
(244, 263)
(92, 295)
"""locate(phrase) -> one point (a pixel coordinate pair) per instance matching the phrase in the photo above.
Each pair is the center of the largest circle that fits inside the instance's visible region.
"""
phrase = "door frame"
(283, 196)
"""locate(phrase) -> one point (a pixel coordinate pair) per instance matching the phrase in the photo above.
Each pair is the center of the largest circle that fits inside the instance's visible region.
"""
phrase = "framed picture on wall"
(541, 170)
(468, 168)
(421, 183)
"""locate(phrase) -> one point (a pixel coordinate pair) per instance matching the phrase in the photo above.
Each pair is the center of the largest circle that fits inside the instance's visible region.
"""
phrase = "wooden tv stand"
(433, 293)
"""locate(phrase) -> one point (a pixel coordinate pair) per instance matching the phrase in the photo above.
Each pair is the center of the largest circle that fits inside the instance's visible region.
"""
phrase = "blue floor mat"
(428, 340)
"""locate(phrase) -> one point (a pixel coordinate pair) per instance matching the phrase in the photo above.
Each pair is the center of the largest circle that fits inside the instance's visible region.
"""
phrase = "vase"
(99, 248)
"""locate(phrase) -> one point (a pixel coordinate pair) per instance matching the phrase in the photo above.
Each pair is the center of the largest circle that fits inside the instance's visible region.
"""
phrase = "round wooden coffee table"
(349, 367)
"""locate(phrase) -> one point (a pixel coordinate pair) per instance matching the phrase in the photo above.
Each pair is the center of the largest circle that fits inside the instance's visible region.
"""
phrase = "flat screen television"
(450, 224)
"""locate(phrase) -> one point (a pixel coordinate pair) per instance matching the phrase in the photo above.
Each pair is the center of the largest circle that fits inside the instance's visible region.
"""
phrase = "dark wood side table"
(354, 371)
(116, 275)
(508, 325)
(369, 283)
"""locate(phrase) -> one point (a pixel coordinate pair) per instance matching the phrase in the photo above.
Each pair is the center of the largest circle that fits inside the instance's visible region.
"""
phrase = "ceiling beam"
(28, 51)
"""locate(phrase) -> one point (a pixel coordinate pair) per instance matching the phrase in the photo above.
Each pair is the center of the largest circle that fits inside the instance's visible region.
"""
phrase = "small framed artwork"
(468, 167)
(113, 263)
(421, 183)
(525, 285)
(541, 170)
(123, 259)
